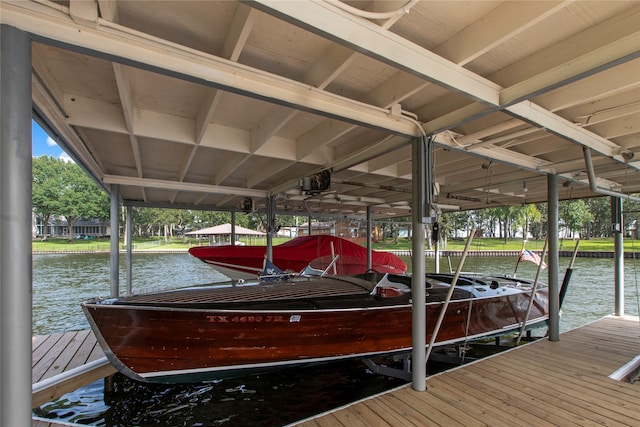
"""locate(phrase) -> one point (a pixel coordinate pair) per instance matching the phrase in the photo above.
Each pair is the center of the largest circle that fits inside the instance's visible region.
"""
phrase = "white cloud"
(66, 158)
(51, 142)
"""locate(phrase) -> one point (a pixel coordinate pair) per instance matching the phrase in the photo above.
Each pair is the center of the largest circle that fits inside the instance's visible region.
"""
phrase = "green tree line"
(64, 190)
(578, 218)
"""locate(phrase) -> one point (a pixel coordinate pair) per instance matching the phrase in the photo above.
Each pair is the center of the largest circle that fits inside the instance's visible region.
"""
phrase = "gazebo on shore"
(217, 232)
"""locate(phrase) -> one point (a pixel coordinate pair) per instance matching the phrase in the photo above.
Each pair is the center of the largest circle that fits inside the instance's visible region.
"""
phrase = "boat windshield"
(322, 266)
(335, 265)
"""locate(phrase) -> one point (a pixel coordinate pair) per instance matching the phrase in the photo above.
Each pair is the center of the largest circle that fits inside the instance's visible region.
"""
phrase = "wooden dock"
(543, 383)
(539, 384)
(64, 362)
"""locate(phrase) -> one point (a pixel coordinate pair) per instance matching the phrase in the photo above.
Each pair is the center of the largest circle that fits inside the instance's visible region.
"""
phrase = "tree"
(80, 197)
(600, 225)
(501, 215)
(523, 216)
(574, 214)
(538, 228)
(631, 216)
(46, 174)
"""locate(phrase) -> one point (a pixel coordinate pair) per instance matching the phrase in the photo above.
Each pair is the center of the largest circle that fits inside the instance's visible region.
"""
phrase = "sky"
(44, 145)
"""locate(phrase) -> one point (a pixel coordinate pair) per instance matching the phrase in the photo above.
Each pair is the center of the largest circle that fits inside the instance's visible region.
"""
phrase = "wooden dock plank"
(55, 348)
(96, 352)
(588, 382)
(86, 352)
(495, 398)
(595, 398)
(531, 406)
(491, 412)
(418, 416)
(368, 418)
(66, 359)
(58, 353)
(555, 394)
(401, 414)
(40, 346)
(352, 419)
(543, 384)
(388, 415)
(329, 421)
(444, 411)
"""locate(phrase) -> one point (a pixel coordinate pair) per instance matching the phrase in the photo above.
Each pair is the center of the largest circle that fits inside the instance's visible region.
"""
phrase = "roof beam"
(502, 23)
(126, 101)
(385, 46)
(364, 36)
(603, 58)
(592, 90)
(120, 44)
(181, 186)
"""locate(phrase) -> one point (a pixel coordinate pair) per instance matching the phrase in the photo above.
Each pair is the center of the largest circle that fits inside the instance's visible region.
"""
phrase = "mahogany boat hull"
(184, 343)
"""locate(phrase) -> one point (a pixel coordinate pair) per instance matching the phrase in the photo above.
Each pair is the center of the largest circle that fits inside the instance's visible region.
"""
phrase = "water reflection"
(267, 400)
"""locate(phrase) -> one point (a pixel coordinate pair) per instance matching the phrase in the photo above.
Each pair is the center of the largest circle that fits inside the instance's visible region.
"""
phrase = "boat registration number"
(248, 319)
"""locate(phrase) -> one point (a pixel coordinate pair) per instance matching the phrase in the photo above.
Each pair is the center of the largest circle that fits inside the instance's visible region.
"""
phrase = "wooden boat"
(246, 262)
(219, 331)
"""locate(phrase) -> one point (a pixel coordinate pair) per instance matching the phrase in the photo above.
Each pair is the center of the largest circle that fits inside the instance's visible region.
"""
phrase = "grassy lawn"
(489, 244)
(139, 243)
(480, 244)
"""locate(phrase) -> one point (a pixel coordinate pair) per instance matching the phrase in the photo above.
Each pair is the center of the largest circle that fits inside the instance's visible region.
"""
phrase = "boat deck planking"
(295, 289)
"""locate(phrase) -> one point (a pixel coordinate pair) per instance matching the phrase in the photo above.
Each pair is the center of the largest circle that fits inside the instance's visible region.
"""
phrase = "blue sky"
(43, 144)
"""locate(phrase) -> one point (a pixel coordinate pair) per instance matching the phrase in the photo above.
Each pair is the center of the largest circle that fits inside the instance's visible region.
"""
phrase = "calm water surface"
(62, 282)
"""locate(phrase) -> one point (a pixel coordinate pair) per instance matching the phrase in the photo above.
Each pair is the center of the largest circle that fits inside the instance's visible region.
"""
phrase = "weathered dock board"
(54, 355)
(543, 384)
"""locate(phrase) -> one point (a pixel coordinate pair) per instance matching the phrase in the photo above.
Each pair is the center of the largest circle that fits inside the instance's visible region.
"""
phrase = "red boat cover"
(297, 253)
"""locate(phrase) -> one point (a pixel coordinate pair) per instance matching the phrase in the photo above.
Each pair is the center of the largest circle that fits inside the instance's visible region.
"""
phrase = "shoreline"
(428, 253)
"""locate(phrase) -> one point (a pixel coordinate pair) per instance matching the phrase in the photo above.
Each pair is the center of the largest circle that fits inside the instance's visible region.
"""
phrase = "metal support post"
(233, 228)
(552, 229)
(369, 246)
(115, 240)
(618, 249)
(129, 244)
(437, 256)
(271, 225)
(420, 207)
(15, 227)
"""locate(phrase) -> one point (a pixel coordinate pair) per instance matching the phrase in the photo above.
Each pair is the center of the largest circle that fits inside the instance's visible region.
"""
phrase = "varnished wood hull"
(169, 343)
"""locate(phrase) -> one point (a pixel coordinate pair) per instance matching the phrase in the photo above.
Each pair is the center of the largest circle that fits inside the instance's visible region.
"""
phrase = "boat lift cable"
(534, 289)
(449, 295)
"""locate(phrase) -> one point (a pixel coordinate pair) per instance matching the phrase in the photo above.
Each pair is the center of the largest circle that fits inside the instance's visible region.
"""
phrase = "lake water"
(61, 282)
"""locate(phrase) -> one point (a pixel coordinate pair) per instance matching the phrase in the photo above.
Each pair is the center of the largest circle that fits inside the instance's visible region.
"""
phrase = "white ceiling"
(202, 104)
